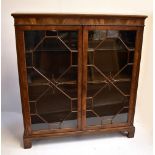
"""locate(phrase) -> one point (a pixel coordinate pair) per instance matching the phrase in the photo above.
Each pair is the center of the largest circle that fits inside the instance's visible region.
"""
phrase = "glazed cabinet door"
(108, 68)
(53, 67)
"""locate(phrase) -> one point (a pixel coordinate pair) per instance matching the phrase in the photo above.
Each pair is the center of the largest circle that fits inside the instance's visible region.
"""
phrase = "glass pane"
(51, 60)
(109, 71)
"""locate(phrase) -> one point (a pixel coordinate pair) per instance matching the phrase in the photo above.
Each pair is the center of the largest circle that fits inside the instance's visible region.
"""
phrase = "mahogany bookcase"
(78, 73)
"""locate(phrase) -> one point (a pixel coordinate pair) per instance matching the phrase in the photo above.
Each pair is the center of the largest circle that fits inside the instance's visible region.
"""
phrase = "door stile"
(84, 77)
(79, 78)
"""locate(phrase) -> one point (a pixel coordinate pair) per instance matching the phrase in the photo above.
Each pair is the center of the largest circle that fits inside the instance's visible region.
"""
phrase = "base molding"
(27, 141)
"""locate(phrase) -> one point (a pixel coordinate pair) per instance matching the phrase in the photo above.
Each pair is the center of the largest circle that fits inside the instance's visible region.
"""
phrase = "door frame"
(20, 45)
(134, 79)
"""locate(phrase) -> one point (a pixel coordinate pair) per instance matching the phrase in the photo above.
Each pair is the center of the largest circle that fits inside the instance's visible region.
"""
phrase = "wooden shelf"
(109, 44)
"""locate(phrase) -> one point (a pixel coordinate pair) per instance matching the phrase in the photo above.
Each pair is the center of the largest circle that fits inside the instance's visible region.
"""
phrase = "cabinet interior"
(52, 76)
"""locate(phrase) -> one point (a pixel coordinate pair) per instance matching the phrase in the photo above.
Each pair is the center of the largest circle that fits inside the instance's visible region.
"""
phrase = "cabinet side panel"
(23, 81)
(135, 75)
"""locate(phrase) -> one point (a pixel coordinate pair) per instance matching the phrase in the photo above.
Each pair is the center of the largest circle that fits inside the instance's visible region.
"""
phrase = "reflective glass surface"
(51, 61)
(109, 72)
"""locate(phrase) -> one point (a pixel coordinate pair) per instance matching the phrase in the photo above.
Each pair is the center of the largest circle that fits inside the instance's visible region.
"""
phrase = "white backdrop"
(10, 86)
